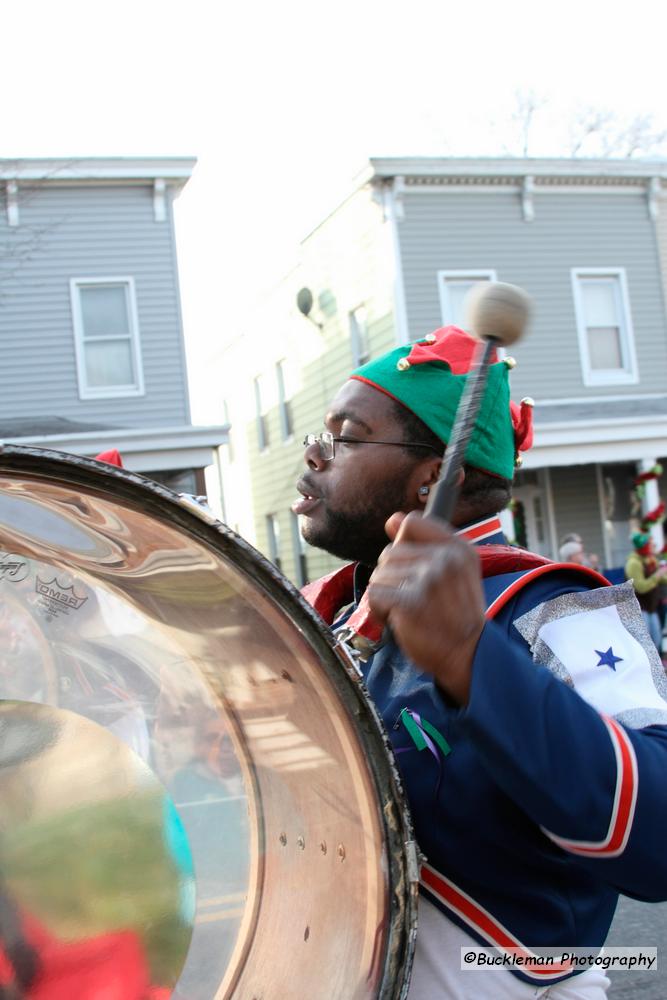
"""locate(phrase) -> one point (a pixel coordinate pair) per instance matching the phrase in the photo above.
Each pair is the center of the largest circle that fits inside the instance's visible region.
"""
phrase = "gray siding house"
(581, 237)
(396, 259)
(91, 339)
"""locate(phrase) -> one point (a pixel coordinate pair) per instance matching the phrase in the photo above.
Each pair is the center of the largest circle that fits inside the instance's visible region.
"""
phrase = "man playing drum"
(524, 699)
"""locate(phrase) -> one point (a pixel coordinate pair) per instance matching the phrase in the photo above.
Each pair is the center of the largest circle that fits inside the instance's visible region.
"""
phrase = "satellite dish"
(304, 301)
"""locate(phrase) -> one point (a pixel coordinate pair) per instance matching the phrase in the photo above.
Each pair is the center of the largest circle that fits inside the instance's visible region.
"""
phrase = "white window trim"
(106, 392)
(473, 274)
(353, 334)
(630, 374)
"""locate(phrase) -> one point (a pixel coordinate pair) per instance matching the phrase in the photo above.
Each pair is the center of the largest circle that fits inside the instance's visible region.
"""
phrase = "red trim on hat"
(374, 385)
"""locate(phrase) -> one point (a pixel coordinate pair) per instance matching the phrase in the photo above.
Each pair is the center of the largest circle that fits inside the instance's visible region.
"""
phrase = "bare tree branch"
(589, 123)
(593, 131)
(528, 104)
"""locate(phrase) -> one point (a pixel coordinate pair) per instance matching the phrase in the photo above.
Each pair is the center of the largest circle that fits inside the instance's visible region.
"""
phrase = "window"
(359, 339)
(284, 400)
(455, 287)
(106, 337)
(273, 535)
(178, 480)
(261, 411)
(299, 548)
(606, 341)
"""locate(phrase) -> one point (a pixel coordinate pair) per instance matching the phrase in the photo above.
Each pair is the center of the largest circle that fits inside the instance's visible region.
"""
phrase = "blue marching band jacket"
(546, 796)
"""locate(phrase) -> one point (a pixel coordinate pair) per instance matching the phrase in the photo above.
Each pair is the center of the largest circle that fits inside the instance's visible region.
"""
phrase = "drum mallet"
(498, 315)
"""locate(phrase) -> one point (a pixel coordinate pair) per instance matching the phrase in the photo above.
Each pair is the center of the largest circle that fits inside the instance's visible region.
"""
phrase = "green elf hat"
(640, 540)
(428, 377)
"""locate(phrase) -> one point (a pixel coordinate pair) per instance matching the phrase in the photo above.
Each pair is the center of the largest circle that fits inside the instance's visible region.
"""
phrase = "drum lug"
(358, 648)
(350, 656)
(199, 506)
(414, 859)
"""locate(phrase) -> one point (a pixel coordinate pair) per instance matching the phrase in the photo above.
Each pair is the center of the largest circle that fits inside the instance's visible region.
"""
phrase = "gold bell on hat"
(518, 461)
(402, 364)
(510, 362)
(430, 338)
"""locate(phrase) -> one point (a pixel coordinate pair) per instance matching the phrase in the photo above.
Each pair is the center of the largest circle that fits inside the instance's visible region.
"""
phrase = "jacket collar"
(489, 531)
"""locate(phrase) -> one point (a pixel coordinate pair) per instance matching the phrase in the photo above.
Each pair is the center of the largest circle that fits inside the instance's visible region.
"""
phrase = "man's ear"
(429, 474)
(430, 478)
(435, 466)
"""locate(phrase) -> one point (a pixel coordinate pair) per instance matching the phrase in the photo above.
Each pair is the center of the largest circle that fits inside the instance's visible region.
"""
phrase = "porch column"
(651, 499)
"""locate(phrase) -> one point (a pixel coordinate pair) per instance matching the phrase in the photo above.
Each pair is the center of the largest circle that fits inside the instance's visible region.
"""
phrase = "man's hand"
(427, 587)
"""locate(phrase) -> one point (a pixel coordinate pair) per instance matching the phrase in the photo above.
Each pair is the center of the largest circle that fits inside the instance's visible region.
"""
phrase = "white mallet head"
(498, 311)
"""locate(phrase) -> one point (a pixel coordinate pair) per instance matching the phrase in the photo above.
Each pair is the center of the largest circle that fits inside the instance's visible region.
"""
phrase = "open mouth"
(307, 502)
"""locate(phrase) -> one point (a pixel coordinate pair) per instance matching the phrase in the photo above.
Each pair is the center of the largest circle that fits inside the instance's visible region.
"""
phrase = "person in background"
(572, 550)
(646, 574)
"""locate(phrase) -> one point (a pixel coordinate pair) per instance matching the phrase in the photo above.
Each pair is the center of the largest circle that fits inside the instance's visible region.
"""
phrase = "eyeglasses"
(326, 442)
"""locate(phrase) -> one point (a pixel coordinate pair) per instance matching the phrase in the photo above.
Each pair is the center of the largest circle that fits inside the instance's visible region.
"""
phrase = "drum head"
(200, 800)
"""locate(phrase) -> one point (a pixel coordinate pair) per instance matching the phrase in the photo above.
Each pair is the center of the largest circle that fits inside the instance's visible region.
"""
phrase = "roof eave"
(385, 168)
(176, 169)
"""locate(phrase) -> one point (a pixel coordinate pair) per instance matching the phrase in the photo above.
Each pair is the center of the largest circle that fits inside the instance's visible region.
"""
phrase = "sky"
(282, 104)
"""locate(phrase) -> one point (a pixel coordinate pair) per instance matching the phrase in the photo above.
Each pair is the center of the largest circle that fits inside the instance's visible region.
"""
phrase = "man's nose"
(313, 457)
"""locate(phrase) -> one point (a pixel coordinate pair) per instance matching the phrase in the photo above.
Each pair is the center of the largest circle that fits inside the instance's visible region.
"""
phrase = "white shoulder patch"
(597, 642)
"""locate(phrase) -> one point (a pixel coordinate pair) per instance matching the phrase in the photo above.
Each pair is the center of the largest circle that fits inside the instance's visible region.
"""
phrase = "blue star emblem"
(608, 659)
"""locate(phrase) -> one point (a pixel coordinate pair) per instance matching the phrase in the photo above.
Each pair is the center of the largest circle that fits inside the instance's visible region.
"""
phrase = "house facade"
(91, 340)
(586, 239)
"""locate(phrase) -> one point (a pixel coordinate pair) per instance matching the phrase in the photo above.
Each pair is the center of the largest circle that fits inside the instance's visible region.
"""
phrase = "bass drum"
(198, 799)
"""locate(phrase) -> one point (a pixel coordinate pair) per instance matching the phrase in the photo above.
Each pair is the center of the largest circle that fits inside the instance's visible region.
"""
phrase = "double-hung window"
(359, 339)
(273, 538)
(261, 412)
(604, 326)
(454, 288)
(300, 551)
(106, 337)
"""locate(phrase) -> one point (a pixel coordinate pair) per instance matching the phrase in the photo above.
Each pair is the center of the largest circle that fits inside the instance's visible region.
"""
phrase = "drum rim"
(393, 809)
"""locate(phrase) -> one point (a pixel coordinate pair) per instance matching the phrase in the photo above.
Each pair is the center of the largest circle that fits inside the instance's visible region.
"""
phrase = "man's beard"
(357, 535)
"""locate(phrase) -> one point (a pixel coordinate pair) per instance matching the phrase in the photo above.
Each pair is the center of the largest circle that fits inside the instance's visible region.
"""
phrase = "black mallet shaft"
(498, 315)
